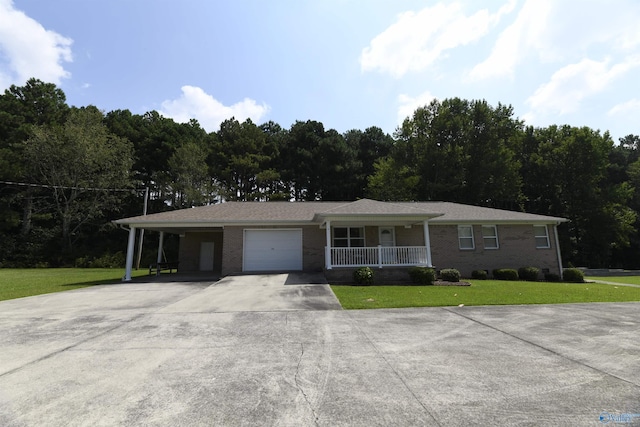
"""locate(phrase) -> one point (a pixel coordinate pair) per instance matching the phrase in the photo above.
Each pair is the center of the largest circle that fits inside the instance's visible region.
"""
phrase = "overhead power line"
(62, 187)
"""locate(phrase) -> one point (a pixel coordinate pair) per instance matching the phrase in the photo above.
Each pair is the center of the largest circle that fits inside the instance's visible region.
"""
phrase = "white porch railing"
(378, 256)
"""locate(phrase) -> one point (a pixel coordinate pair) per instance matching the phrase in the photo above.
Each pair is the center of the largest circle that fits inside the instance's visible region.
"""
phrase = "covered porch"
(377, 244)
(376, 234)
(379, 256)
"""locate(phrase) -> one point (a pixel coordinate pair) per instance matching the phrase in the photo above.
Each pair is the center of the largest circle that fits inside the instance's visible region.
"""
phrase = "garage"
(272, 250)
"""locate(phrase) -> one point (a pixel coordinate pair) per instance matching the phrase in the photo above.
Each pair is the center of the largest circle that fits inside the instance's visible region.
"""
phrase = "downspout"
(555, 233)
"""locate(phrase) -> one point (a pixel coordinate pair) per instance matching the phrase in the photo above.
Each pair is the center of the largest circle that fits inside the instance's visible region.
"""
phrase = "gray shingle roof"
(241, 212)
(374, 207)
(300, 212)
(457, 212)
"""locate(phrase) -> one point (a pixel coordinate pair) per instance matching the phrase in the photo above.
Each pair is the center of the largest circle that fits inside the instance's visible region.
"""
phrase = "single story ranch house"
(336, 237)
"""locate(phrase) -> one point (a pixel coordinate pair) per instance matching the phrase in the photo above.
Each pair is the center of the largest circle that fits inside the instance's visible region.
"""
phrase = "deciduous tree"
(81, 163)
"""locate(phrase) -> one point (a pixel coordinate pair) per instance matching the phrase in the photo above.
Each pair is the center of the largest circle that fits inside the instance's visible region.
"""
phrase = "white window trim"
(493, 238)
(546, 235)
(348, 238)
(460, 238)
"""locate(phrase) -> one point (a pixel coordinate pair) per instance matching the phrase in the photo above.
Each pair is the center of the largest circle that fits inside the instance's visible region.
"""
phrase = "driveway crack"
(563, 356)
(395, 371)
(76, 344)
(296, 379)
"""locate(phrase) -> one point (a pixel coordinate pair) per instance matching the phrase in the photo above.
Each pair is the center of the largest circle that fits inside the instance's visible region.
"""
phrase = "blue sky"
(349, 64)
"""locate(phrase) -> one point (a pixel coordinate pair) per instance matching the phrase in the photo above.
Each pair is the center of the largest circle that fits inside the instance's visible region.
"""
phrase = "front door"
(206, 256)
(387, 238)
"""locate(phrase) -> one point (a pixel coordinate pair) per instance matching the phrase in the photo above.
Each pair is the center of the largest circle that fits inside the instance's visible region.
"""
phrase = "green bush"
(479, 274)
(573, 275)
(116, 260)
(363, 276)
(505, 274)
(551, 277)
(422, 275)
(450, 275)
(530, 274)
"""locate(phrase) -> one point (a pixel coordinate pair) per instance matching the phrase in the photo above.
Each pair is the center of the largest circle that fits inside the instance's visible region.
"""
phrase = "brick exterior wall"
(517, 249)
(232, 250)
(314, 240)
(189, 251)
(404, 236)
(413, 236)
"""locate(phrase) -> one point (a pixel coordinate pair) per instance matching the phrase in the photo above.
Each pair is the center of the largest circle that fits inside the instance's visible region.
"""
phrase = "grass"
(632, 280)
(18, 282)
(481, 292)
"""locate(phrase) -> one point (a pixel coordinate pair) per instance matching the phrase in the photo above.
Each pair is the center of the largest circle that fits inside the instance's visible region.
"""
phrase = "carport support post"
(160, 243)
(427, 242)
(327, 255)
(130, 249)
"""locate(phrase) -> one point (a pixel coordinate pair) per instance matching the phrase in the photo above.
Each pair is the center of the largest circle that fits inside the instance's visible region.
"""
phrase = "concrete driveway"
(262, 292)
(156, 354)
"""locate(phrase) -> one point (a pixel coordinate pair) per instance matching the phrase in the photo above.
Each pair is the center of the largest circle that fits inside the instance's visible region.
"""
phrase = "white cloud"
(548, 31)
(629, 108)
(525, 32)
(28, 50)
(417, 40)
(407, 104)
(195, 103)
(570, 85)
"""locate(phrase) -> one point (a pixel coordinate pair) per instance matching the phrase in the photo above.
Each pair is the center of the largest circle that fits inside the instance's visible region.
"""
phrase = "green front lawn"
(19, 282)
(632, 280)
(481, 292)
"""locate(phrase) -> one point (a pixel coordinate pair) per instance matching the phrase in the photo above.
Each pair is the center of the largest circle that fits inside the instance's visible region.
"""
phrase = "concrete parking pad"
(262, 292)
(129, 355)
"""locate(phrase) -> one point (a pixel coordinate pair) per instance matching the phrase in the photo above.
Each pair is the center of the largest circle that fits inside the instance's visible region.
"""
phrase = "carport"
(200, 246)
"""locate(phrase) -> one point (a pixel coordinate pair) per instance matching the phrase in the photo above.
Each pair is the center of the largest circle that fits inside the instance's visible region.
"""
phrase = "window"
(348, 237)
(542, 236)
(465, 237)
(490, 236)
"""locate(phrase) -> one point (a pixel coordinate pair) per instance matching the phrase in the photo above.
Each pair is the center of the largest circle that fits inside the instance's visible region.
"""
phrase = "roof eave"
(200, 224)
(501, 221)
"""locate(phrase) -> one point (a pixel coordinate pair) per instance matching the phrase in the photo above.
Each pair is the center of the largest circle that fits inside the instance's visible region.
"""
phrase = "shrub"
(530, 274)
(551, 277)
(573, 275)
(363, 276)
(450, 275)
(422, 275)
(479, 274)
(505, 274)
(116, 260)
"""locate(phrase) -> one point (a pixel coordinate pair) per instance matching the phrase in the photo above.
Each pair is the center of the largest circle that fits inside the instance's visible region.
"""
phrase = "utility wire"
(62, 187)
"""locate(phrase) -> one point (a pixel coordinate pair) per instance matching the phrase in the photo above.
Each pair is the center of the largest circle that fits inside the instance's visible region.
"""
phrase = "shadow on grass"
(145, 278)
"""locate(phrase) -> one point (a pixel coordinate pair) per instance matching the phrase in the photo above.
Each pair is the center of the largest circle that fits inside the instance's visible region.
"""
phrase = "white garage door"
(272, 250)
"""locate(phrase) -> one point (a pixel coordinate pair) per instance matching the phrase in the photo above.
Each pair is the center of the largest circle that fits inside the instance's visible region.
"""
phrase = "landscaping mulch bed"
(443, 283)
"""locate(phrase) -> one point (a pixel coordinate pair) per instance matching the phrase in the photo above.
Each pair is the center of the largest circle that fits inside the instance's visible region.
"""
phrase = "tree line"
(68, 171)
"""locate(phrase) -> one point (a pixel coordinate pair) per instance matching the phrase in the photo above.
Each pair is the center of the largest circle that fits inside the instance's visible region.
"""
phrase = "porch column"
(555, 235)
(327, 255)
(160, 243)
(427, 242)
(130, 249)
